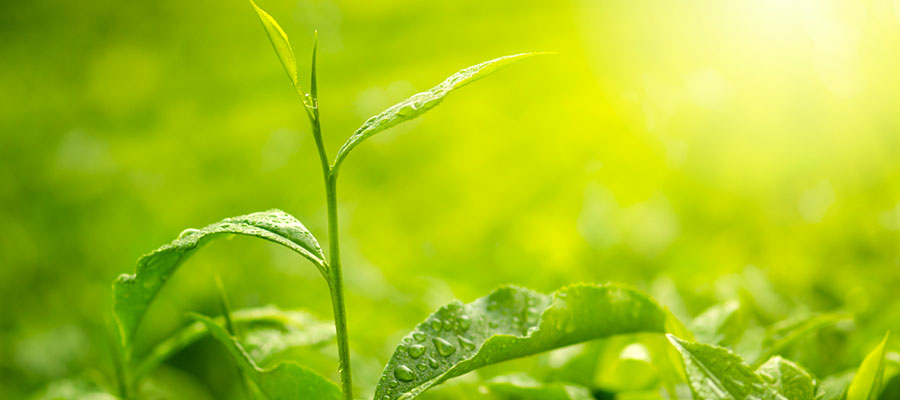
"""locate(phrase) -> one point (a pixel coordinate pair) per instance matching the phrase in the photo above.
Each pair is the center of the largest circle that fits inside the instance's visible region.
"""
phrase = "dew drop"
(444, 347)
(421, 367)
(404, 374)
(448, 324)
(436, 324)
(465, 343)
(416, 350)
(187, 232)
(433, 363)
(419, 336)
(465, 322)
(394, 384)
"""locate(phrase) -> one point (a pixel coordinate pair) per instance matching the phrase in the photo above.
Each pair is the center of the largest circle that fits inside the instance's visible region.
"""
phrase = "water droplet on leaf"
(404, 374)
(444, 347)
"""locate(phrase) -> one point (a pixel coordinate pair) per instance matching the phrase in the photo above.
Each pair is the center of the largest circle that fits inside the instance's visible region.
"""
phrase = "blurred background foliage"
(702, 150)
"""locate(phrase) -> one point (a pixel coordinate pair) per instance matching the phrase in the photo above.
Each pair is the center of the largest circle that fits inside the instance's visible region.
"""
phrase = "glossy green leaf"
(785, 333)
(867, 382)
(788, 378)
(717, 373)
(524, 387)
(420, 103)
(286, 380)
(268, 330)
(509, 323)
(132, 294)
(282, 46)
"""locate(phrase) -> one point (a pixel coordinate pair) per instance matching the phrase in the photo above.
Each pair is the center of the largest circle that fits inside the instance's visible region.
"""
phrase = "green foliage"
(134, 293)
(266, 331)
(283, 381)
(524, 387)
(788, 378)
(869, 378)
(717, 373)
(420, 103)
(510, 323)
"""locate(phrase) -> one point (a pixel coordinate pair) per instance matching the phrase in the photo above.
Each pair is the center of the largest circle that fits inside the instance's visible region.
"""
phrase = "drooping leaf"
(785, 333)
(132, 294)
(419, 103)
(869, 378)
(286, 380)
(721, 324)
(524, 387)
(788, 378)
(509, 323)
(717, 373)
(282, 46)
(268, 330)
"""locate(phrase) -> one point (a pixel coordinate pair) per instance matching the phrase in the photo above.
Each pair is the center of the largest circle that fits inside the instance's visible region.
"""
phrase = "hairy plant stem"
(335, 275)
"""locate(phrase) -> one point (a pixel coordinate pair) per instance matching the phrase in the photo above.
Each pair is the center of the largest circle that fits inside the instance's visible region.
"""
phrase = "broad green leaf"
(132, 294)
(419, 103)
(286, 380)
(785, 333)
(524, 387)
(268, 331)
(835, 386)
(282, 46)
(788, 378)
(717, 373)
(867, 382)
(721, 324)
(509, 323)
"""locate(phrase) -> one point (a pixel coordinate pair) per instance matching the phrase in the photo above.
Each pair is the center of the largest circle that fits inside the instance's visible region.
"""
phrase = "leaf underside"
(133, 294)
(715, 373)
(284, 381)
(420, 103)
(509, 323)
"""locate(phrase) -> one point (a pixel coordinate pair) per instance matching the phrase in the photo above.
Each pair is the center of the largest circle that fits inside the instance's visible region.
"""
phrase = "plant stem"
(335, 275)
(337, 287)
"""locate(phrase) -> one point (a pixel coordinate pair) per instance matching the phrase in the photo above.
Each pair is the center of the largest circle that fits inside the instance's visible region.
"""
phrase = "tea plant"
(715, 356)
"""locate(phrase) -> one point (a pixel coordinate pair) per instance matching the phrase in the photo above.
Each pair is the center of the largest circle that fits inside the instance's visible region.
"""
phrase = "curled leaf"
(509, 323)
(132, 294)
(419, 103)
(286, 380)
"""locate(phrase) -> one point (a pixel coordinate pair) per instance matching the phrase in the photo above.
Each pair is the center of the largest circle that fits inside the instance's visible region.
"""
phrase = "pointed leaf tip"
(420, 103)
(282, 46)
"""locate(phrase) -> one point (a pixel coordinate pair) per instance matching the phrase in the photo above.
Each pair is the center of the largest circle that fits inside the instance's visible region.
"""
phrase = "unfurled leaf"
(788, 378)
(419, 103)
(717, 373)
(524, 387)
(286, 380)
(282, 46)
(509, 323)
(869, 378)
(785, 333)
(132, 294)
(268, 330)
(721, 324)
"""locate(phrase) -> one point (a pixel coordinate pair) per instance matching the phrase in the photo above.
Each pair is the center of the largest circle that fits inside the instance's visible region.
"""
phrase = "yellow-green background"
(693, 146)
